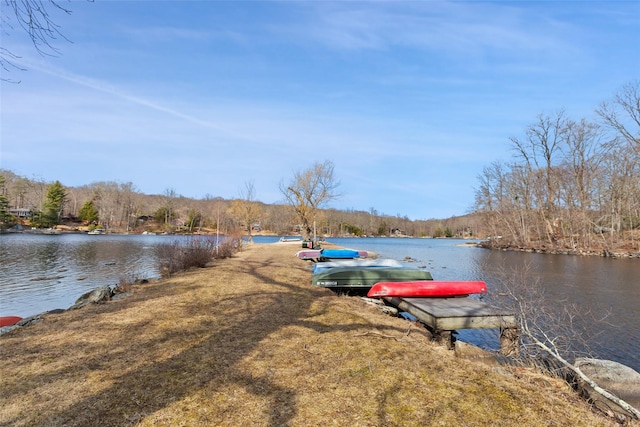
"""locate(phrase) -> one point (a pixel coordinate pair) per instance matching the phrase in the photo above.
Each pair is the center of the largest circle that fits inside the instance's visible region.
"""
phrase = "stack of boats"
(345, 270)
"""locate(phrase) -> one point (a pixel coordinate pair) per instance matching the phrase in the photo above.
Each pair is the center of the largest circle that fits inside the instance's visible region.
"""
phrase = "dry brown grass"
(249, 342)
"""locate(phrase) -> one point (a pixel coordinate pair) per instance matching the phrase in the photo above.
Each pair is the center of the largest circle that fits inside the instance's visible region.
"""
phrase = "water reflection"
(40, 273)
(85, 254)
(47, 255)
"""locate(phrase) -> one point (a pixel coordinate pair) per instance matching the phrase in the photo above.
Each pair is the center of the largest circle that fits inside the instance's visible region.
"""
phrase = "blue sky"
(409, 100)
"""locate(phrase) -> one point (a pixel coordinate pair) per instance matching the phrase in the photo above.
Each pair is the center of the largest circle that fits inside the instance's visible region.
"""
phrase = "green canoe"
(365, 277)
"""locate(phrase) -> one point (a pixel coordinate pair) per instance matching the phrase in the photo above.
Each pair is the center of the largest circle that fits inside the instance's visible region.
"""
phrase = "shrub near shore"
(197, 252)
(248, 341)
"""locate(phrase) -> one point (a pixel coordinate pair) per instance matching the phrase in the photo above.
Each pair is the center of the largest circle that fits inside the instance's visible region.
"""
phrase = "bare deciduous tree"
(622, 117)
(310, 190)
(623, 113)
(35, 18)
(540, 152)
(246, 209)
(573, 185)
(583, 154)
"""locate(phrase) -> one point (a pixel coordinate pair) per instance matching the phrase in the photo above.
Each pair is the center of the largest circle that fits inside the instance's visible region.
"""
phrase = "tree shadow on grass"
(239, 323)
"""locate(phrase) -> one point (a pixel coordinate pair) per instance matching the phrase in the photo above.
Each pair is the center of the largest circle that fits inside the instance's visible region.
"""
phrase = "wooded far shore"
(120, 208)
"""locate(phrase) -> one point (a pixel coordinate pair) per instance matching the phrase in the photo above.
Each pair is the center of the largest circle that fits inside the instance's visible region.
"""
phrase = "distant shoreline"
(487, 244)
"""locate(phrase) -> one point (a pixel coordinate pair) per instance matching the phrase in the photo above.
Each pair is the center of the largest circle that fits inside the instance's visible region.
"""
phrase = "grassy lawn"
(249, 342)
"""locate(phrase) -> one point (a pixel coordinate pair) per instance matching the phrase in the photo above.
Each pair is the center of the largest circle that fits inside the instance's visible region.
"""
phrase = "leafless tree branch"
(34, 17)
(536, 332)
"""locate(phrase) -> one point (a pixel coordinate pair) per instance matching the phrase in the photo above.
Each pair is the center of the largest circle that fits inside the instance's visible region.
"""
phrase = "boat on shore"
(341, 254)
(294, 240)
(363, 278)
(309, 254)
(426, 288)
(383, 262)
(9, 320)
(325, 254)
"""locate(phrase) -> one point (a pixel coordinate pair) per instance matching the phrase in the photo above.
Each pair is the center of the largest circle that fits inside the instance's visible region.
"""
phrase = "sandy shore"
(249, 342)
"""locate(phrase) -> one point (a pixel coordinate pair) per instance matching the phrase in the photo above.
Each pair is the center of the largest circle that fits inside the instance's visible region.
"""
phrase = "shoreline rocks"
(618, 379)
(487, 244)
(27, 321)
(98, 295)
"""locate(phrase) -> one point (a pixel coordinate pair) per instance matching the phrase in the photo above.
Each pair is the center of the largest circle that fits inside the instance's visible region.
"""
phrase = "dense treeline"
(573, 184)
(120, 207)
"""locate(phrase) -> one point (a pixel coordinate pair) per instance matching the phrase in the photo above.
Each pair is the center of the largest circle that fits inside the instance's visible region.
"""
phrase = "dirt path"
(250, 342)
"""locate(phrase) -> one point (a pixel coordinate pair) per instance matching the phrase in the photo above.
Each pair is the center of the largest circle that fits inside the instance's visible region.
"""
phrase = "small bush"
(169, 257)
(127, 281)
(125, 284)
(196, 252)
(228, 247)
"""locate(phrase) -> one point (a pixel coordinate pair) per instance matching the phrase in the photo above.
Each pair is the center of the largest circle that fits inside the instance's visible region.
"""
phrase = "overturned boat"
(326, 254)
(382, 262)
(363, 278)
(427, 289)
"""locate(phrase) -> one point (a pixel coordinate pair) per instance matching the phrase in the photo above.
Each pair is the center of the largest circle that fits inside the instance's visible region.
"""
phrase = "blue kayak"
(341, 254)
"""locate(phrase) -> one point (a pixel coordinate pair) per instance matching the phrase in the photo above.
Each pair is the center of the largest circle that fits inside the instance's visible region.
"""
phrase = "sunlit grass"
(250, 342)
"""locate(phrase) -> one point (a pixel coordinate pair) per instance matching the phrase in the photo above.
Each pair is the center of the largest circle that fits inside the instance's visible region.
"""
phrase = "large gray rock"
(96, 296)
(618, 379)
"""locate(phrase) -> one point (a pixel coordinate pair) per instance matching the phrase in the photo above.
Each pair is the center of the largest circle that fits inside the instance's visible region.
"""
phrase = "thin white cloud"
(441, 26)
(104, 87)
(159, 34)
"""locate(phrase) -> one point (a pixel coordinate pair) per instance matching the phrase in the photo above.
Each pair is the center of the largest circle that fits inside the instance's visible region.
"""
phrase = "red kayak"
(9, 320)
(426, 288)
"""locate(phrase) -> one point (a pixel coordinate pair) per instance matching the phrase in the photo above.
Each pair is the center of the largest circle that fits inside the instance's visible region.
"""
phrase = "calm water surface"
(43, 272)
(602, 294)
(39, 273)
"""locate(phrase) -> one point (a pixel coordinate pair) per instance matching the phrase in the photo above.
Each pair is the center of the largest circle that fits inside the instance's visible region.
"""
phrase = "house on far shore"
(22, 213)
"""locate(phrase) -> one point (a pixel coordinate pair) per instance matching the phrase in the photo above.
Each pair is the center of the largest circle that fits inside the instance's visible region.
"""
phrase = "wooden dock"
(445, 315)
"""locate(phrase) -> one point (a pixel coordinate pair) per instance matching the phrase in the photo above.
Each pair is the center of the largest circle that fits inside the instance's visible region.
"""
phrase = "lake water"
(602, 295)
(599, 296)
(43, 272)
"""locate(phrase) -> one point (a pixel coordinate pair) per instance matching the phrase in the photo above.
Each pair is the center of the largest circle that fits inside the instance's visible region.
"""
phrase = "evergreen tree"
(89, 212)
(195, 219)
(53, 205)
(6, 219)
(164, 215)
